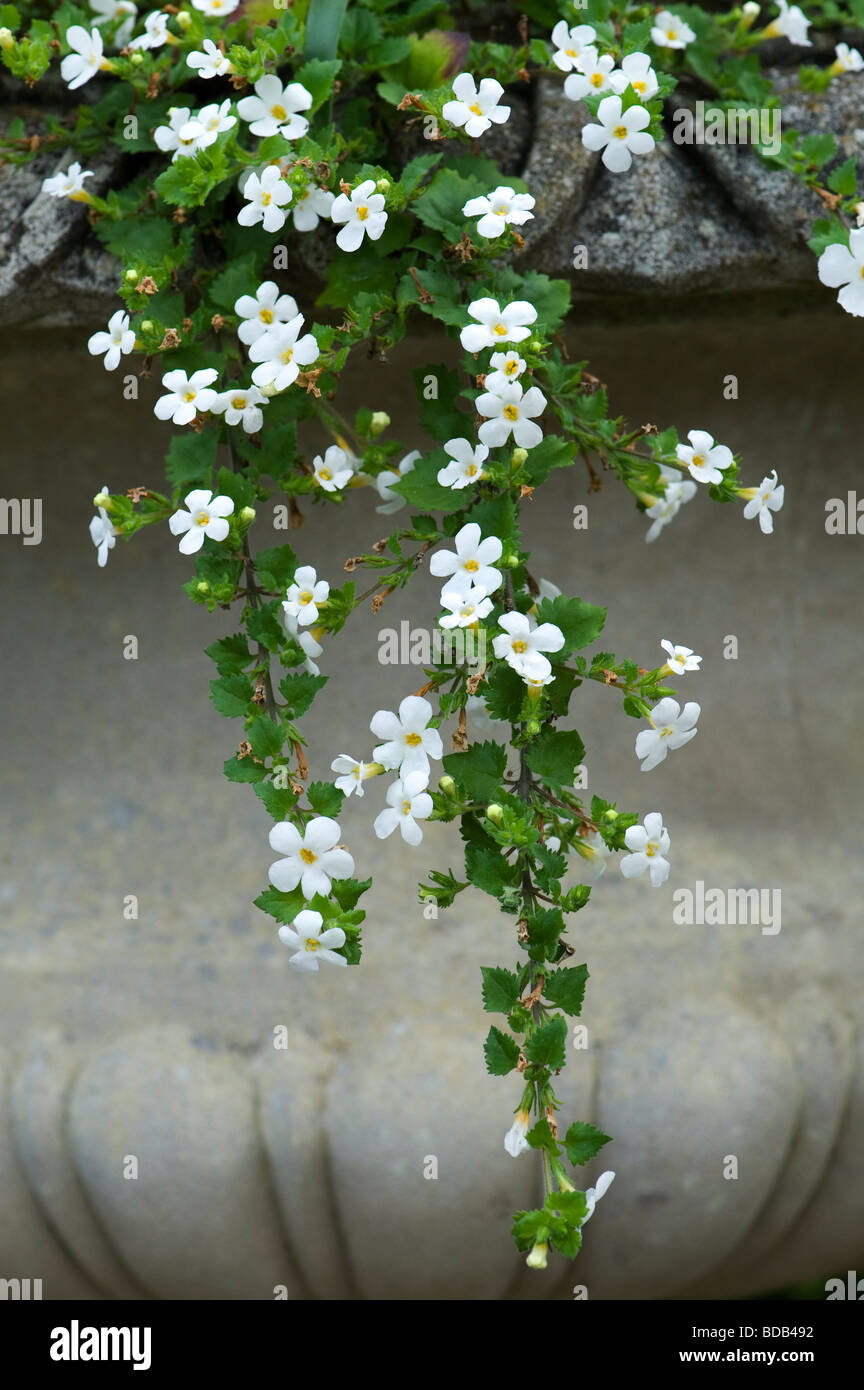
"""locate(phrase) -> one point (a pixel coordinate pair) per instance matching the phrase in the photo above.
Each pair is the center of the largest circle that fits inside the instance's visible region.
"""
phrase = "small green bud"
(101, 499)
(610, 815)
(535, 345)
(380, 422)
(247, 515)
(202, 587)
(137, 59)
(7, 39)
(495, 813)
(131, 276)
(537, 1255)
(147, 326)
(532, 728)
(510, 561)
(518, 457)
(383, 185)
(184, 19)
(447, 786)
(268, 390)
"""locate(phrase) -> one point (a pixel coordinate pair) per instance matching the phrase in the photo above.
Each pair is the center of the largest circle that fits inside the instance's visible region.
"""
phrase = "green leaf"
(263, 626)
(276, 566)
(582, 1141)
(283, 906)
(566, 988)
(545, 1047)
(819, 147)
(421, 488)
(238, 278)
(279, 801)
(318, 75)
(504, 693)
(478, 771)
(488, 870)
(554, 755)
(231, 694)
(267, 738)
(244, 770)
(231, 654)
(501, 1052)
(299, 692)
(581, 623)
(500, 989)
(190, 459)
(844, 179)
(347, 891)
(325, 798)
(540, 1136)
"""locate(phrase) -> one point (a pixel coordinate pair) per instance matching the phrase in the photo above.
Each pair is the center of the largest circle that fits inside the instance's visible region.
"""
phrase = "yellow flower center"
(511, 412)
(501, 210)
(476, 108)
(471, 470)
(620, 132)
(520, 646)
(266, 315)
(639, 86)
(287, 355)
(671, 33)
(266, 200)
(202, 519)
(467, 610)
(306, 596)
(189, 397)
(307, 856)
(471, 566)
(406, 808)
(413, 740)
(362, 212)
(311, 944)
(597, 79)
(698, 460)
(500, 329)
(279, 112)
(511, 368)
(239, 403)
(651, 850)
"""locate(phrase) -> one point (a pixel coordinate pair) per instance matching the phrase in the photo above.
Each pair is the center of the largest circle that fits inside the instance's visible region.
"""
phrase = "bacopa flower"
(511, 412)
(362, 213)
(260, 311)
(110, 10)
(407, 803)
(155, 32)
(594, 850)
(671, 727)
(103, 534)
(186, 395)
(671, 32)
(705, 460)
(618, 134)
(648, 844)
(465, 464)
(209, 62)
(791, 23)
(391, 501)
(636, 72)
(305, 640)
(310, 207)
(846, 59)
(275, 110)
(763, 500)
(680, 659)
(179, 137)
(842, 267)
(85, 59)
(465, 609)
(206, 515)
(664, 510)
(592, 75)
(281, 353)
(216, 9)
(501, 208)
(593, 1194)
(521, 646)
(495, 326)
(266, 195)
(475, 108)
(408, 741)
(115, 343)
(208, 124)
(241, 405)
(570, 43)
(471, 565)
(310, 859)
(353, 774)
(305, 594)
(514, 1140)
(508, 367)
(334, 470)
(68, 185)
(310, 944)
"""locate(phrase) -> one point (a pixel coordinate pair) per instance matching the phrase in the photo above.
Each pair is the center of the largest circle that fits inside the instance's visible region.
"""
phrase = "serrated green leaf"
(582, 1141)
(546, 1046)
(501, 1052)
(500, 989)
(566, 988)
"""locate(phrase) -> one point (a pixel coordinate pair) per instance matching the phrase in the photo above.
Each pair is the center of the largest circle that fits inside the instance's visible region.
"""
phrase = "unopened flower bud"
(147, 326)
(247, 515)
(7, 39)
(131, 276)
(184, 19)
(611, 814)
(518, 457)
(202, 587)
(380, 422)
(137, 58)
(101, 499)
(382, 185)
(535, 345)
(537, 1255)
(447, 786)
(510, 561)
(495, 813)
(532, 728)
(268, 390)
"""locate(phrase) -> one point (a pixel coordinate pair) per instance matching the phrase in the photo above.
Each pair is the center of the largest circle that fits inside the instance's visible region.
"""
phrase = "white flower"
(362, 213)
(465, 463)
(495, 326)
(521, 646)
(667, 507)
(593, 1194)
(671, 32)
(475, 108)
(671, 727)
(275, 110)
(109, 10)
(304, 596)
(116, 343)
(636, 72)
(408, 743)
(592, 75)
(155, 32)
(353, 774)
(514, 1140)
(207, 125)
(310, 859)
(216, 9)
(791, 23)
(618, 134)
(844, 266)
(266, 196)
(305, 640)
(501, 208)
(705, 460)
(680, 659)
(186, 395)
(763, 500)
(68, 185)
(548, 589)
(508, 366)
(179, 136)
(260, 311)
(569, 43)
(209, 62)
(281, 353)
(648, 844)
(407, 802)
(471, 564)
(509, 412)
(102, 534)
(241, 405)
(310, 206)
(384, 481)
(594, 849)
(206, 516)
(310, 943)
(465, 609)
(846, 59)
(85, 60)
(334, 470)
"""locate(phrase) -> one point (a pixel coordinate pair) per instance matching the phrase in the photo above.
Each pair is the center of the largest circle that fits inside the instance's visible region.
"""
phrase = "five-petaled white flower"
(310, 944)
(155, 32)
(592, 75)
(311, 859)
(619, 134)
(216, 9)
(475, 108)
(267, 195)
(407, 802)
(206, 515)
(305, 595)
(705, 460)
(207, 125)
(335, 469)
(408, 741)
(514, 1140)
(521, 646)
(791, 23)
(186, 395)
(508, 367)
(471, 565)
(241, 405)
(671, 727)
(275, 110)
(680, 659)
(593, 1194)
(501, 208)
(305, 641)
(260, 311)
(384, 482)
(281, 353)
(86, 58)
(667, 507)
(495, 326)
(352, 774)
(465, 608)
(511, 411)
(179, 136)
(671, 32)
(209, 62)
(594, 850)
(648, 845)
(310, 207)
(68, 185)
(111, 10)
(569, 43)
(763, 500)
(465, 464)
(636, 72)
(116, 343)
(843, 266)
(846, 59)
(102, 533)
(362, 213)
